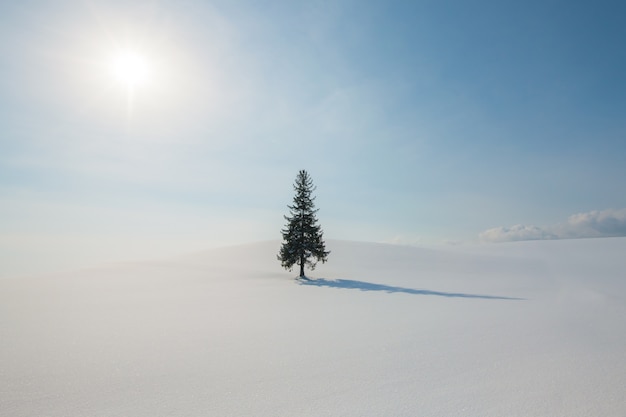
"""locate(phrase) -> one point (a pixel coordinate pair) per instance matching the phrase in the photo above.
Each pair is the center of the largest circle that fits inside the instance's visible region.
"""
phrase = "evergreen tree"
(303, 244)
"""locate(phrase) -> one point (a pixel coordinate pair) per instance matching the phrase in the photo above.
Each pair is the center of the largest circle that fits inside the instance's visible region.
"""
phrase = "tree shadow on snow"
(368, 286)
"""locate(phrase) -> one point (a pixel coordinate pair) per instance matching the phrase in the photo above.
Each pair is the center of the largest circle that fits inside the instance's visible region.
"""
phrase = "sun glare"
(130, 68)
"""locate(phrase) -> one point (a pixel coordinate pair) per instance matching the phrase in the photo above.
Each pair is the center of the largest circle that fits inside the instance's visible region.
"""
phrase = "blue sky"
(419, 122)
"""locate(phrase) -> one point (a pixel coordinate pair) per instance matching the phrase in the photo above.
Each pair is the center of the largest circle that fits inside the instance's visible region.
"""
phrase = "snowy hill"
(521, 329)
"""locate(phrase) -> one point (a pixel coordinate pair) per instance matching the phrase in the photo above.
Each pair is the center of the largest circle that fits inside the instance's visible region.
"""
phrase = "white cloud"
(517, 232)
(604, 223)
(404, 240)
(597, 223)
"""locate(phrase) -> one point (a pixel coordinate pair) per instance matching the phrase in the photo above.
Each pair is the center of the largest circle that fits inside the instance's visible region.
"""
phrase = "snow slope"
(522, 329)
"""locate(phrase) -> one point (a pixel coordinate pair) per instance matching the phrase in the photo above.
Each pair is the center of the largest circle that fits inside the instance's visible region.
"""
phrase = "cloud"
(604, 223)
(517, 232)
(597, 223)
(404, 240)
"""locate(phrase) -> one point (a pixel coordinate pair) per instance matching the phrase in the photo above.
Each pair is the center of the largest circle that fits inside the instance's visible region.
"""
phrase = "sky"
(420, 122)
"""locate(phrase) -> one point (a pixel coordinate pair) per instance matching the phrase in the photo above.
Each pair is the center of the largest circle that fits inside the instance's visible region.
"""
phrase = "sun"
(130, 68)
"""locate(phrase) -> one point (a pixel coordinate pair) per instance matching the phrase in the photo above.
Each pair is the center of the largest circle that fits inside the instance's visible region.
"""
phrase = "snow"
(519, 329)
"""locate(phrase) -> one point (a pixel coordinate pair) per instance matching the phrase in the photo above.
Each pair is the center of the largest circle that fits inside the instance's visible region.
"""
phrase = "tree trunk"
(301, 266)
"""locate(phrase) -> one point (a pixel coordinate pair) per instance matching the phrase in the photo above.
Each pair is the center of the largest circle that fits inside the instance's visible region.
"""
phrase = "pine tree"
(302, 235)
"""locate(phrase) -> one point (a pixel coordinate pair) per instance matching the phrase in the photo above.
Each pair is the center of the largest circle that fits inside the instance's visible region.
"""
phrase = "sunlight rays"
(131, 68)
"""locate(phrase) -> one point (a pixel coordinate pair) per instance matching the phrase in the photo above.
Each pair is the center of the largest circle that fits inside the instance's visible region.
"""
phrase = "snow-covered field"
(522, 329)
